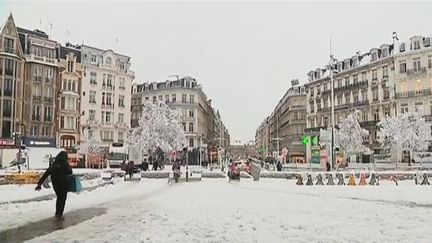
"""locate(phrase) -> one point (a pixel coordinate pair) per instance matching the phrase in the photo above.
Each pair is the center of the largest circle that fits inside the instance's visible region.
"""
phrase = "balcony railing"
(43, 59)
(38, 78)
(410, 94)
(107, 106)
(48, 99)
(108, 87)
(47, 118)
(10, 50)
(49, 80)
(37, 98)
(313, 129)
(419, 71)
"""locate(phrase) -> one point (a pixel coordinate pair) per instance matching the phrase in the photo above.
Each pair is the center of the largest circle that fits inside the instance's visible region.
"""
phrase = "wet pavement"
(46, 226)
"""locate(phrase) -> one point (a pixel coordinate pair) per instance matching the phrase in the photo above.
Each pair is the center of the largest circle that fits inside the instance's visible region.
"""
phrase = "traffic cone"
(362, 179)
(351, 181)
(320, 180)
(373, 180)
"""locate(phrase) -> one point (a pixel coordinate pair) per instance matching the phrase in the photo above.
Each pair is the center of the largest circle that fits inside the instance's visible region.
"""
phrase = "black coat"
(59, 171)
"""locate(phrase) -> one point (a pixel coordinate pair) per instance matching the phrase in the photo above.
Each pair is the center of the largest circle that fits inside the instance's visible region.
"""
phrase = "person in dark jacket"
(130, 168)
(59, 171)
(123, 165)
(176, 171)
(155, 165)
(279, 166)
(145, 166)
(328, 166)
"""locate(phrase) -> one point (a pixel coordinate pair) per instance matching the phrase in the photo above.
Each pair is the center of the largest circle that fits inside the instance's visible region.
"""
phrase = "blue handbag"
(74, 184)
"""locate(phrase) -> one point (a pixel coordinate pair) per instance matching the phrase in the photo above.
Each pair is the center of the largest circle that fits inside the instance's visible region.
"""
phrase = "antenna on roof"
(67, 36)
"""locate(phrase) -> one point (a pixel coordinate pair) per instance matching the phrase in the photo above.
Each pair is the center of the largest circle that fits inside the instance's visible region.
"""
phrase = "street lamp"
(332, 151)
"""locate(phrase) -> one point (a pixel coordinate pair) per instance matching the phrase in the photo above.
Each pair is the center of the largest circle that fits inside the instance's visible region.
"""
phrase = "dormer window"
(354, 62)
(122, 66)
(416, 45)
(93, 59)
(347, 65)
(384, 52)
(108, 60)
(318, 73)
(374, 56)
(339, 67)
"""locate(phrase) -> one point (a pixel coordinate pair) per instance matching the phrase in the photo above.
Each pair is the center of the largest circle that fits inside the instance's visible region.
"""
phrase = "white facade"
(106, 95)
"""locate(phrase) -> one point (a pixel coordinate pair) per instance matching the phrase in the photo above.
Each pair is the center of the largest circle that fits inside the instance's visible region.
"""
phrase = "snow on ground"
(18, 214)
(265, 211)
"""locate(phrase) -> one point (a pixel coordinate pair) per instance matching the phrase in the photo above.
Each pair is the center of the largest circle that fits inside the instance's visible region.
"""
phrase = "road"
(264, 211)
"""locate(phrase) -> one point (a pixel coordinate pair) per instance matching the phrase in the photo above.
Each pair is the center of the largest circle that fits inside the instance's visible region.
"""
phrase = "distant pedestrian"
(130, 168)
(59, 171)
(155, 165)
(145, 166)
(123, 165)
(279, 166)
(328, 166)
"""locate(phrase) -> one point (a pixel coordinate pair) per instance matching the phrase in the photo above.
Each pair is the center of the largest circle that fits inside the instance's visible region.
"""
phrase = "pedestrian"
(145, 166)
(130, 168)
(123, 166)
(176, 171)
(59, 171)
(155, 165)
(279, 166)
(328, 166)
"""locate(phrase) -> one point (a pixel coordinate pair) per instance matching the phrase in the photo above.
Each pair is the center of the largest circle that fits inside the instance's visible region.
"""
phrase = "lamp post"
(332, 112)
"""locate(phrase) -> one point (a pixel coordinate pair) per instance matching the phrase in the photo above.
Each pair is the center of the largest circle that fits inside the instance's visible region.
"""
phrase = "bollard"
(330, 181)
(299, 180)
(319, 180)
(341, 181)
(309, 180)
(362, 179)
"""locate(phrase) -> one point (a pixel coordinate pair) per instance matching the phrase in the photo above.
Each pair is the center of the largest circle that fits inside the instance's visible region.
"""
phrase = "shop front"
(40, 151)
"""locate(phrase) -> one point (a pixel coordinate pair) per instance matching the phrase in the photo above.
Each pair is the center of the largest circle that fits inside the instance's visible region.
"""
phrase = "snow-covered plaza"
(215, 210)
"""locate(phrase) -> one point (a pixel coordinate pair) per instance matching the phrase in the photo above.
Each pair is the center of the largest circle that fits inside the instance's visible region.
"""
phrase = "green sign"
(306, 140)
(315, 140)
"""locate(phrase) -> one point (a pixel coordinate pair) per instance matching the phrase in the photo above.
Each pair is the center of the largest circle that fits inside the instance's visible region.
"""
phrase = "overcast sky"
(243, 53)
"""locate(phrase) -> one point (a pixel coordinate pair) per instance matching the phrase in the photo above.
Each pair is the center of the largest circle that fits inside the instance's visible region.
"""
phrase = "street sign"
(306, 140)
(314, 140)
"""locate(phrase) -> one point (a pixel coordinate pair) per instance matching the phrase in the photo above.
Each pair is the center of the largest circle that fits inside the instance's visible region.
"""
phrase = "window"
(376, 115)
(6, 129)
(192, 99)
(154, 99)
(7, 89)
(416, 45)
(121, 101)
(339, 83)
(109, 98)
(295, 116)
(387, 111)
(93, 59)
(93, 78)
(403, 86)
(122, 83)
(191, 113)
(364, 78)
(191, 127)
(356, 97)
(7, 108)
(34, 130)
(191, 142)
(365, 116)
(122, 66)
(384, 52)
(70, 66)
(184, 126)
(419, 86)
(312, 91)
(107, 135)
(48, 113)
(160, 97)
(9, 45)
(324, 103)
(374, 56)
(49, 74)
(339, 99)
(92, 97)
(120, 118)
(417, 65)
(69, 122)
(108, 116)
(9, 67)
(174, 98)
(167, 97)
(46, 131)
(92, 115)
(364, 95)
(109, 80)
(347, 81)
(184, 98)
(385, 72)
(404, 108)
(325, 121)
(108, 60)
(36, 113)
(120, 136)
(312, 107)
(402, 67)
(386, 93)
(355, 78)
(48, 91)
(375, 94)
(1, 66)
(374, 75)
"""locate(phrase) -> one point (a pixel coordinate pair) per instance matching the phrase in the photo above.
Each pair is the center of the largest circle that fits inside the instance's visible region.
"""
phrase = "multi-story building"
(106, 95)
(186, 96)
(362, 82)
(283, 129)
(68, 89)
(262, 139)
(11, 93)
(413, 79)
(41, 73)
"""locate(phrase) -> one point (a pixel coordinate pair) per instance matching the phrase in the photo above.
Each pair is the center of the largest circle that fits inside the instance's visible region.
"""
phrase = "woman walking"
(59, 172)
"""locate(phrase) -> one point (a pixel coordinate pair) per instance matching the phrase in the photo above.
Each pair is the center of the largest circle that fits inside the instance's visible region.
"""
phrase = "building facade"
(12, 63)
(362, 82)
(185, 95)
(106, 95)
(262, 139)
(413, 79)
(40, 78)
(68, 89)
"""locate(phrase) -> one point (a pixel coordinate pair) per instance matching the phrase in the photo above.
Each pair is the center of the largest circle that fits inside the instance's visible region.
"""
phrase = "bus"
(117, 153)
